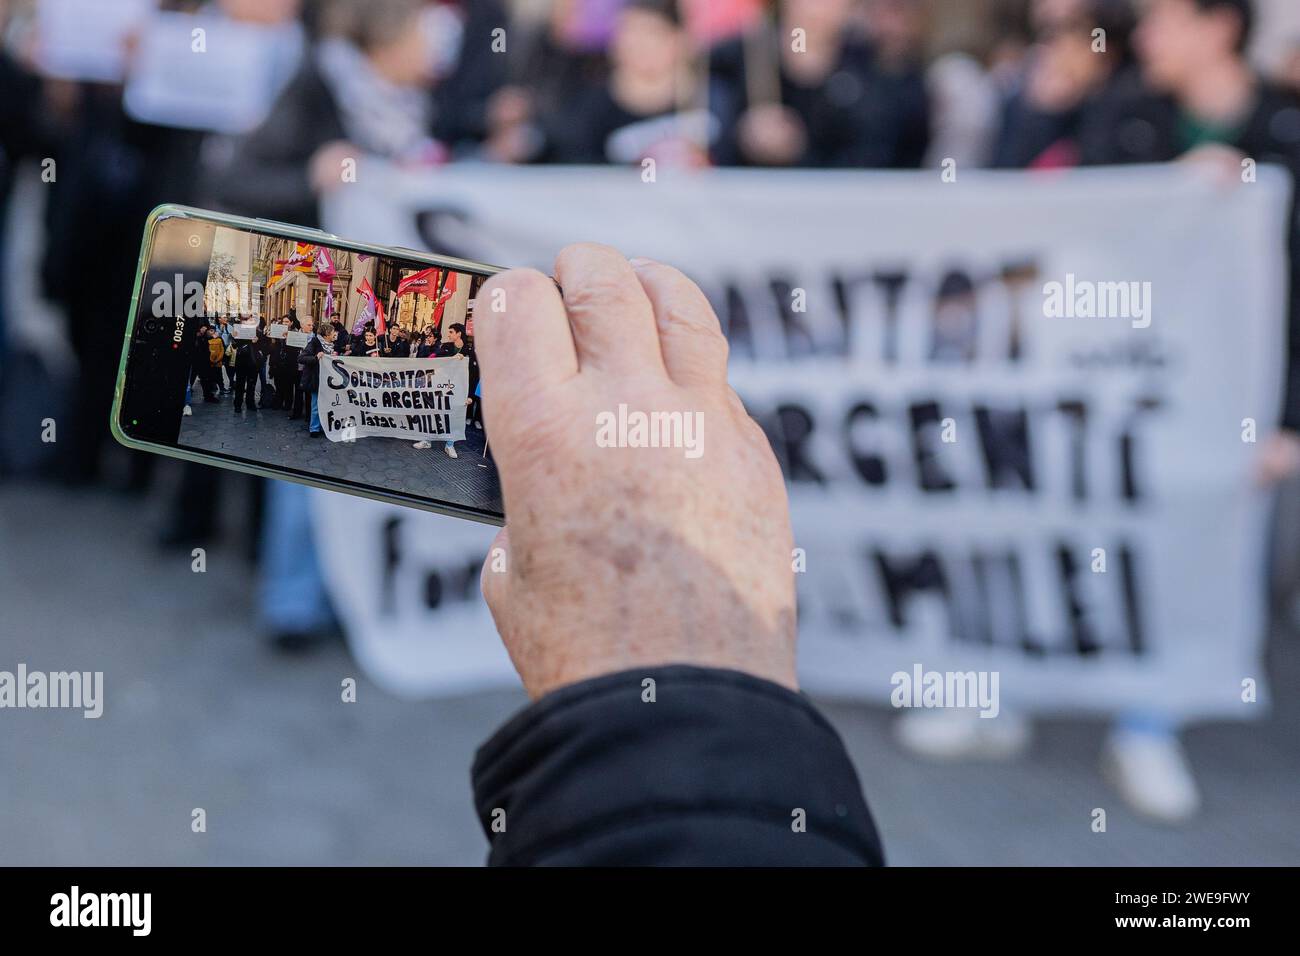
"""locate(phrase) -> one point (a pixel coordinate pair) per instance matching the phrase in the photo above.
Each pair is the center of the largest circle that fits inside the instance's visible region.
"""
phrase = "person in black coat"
(342, 339)
(269, 173)
(367, 346)
(400, 346)
(247, 362)
(322, 343)
(428, 347)
(284, 370)
(474, 416)
(634, 113)
(1065, 83)
(268, 355)
(831, 106)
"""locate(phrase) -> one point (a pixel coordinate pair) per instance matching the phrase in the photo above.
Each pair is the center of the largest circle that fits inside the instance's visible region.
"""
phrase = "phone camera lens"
(151, 326)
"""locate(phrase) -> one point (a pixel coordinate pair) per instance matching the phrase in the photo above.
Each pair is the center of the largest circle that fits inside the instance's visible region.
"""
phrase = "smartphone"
(286, 352)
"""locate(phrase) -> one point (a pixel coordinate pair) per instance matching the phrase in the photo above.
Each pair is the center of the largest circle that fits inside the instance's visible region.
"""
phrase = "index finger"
(613, 324)
(522, 334)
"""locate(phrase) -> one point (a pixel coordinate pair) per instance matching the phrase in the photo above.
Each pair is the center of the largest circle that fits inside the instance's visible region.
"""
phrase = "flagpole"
(393, 314)
(762, 68)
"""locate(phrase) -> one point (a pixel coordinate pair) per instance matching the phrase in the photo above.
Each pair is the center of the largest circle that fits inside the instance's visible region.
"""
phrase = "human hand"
(1063, 75)
(1279, 457)
(625, 557)
(325, 168)
(772, 134)
(1220, 164)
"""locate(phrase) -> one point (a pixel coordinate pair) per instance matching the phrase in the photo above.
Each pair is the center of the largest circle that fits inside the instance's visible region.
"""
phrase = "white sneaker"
(958, 733)
(422, 444)
(451, 452)
(188, 411)
(478, 424)
(1151, 773)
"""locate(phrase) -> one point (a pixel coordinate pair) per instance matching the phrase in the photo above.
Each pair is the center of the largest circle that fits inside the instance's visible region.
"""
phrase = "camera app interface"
(333, 363)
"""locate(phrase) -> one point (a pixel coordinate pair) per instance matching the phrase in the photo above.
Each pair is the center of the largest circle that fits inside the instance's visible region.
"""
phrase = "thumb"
(493, 579)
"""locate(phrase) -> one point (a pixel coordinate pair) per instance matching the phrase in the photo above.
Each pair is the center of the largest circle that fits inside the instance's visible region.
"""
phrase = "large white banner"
(1017, 414)
(410, 398)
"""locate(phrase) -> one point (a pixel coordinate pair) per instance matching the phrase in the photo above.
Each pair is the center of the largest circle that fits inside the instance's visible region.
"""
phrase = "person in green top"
(1198, 98)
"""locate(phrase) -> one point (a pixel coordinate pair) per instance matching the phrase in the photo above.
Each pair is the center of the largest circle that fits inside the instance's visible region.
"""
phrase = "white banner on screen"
(411, 398)
(981, 477)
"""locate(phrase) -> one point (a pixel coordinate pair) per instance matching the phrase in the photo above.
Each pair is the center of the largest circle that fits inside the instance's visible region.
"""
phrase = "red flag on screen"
(444, 296)
(422, 282)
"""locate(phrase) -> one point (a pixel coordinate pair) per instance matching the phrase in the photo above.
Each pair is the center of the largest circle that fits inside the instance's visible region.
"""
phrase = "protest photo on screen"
(338, 364)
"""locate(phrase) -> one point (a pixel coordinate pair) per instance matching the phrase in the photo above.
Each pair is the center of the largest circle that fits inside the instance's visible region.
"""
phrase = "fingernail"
(639, 262)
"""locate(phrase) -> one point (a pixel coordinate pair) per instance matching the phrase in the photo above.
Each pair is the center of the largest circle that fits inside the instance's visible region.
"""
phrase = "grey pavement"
(267, 435)
(200, 714)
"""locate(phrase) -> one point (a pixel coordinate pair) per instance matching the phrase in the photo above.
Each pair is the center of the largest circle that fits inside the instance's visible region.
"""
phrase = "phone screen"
(350, 370)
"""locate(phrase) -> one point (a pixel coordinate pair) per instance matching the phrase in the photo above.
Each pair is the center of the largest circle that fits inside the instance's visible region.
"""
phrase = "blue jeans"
(315, 412)
(1151, 722)
(291, 596)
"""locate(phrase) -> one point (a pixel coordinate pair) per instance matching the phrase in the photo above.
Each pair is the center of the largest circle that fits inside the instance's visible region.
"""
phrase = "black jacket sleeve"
(265, 172)
(719, 769)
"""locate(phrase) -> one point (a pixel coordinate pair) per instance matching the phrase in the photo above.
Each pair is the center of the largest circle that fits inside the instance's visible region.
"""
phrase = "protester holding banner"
(558, 58)
(342, 340)
(808, 92)
(1067, 79)
(322, 343)
(1065, 82)
(475, 414)
(401, 345)
(896, 30)
(366, 345)
(1202, 100)
(1081, 103)
(643, 110)
(428, 344)
(454, 347)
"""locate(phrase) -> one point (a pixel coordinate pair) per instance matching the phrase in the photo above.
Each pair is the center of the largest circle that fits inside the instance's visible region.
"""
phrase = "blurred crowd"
(870, 84)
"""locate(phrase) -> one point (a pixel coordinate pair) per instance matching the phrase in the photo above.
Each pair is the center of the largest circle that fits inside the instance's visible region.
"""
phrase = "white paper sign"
(277, 330)
(297, 339)
(199, 71)
(244, 331)
(982, 476)
(87, 39)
